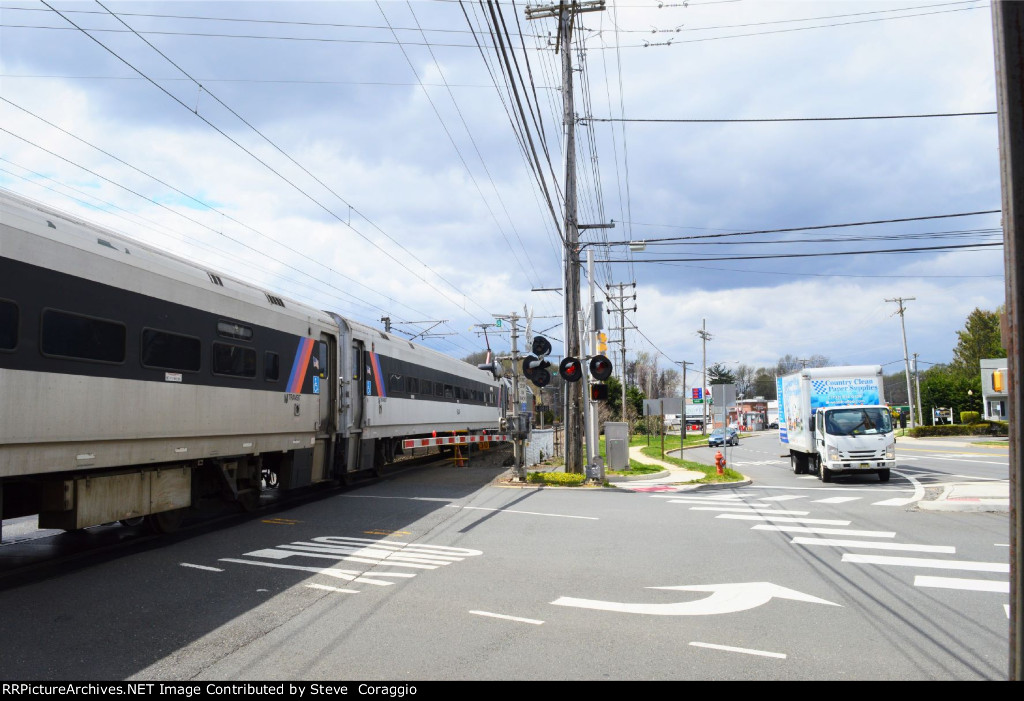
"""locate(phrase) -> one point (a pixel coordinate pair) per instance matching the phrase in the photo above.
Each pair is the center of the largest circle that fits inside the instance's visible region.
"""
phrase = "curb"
(636, 478)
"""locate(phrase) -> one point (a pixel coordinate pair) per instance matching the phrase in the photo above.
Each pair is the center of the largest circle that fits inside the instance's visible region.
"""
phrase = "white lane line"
(508, 618)
(1006, 607)
(338, 590)
(824, 531)
(748, 509)
(785, 519)
(909, 547)
(746, 651)
(918, 494)
(921, 562)
(968, 584)
(835, 500)
(514, 511)
(784, 497)
(201, 567)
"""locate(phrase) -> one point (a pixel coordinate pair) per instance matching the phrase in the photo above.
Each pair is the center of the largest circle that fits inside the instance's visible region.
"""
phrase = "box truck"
(835, 421)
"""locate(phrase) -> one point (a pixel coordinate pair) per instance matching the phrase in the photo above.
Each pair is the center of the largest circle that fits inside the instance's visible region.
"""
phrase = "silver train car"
(134, 383)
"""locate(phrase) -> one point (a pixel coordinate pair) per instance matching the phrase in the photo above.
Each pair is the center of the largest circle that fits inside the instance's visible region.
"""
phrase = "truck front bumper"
(873, 465)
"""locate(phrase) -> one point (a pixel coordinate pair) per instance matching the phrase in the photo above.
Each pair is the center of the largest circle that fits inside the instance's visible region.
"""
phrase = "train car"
(134, 383)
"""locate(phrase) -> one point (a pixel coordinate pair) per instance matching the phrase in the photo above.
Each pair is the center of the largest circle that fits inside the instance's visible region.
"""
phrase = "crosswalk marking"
(922, 562)
(835, 500)
(677, 499)
(968, 584)
(909, 547)
(785, 519)
(823, 531)
(784, 497)
(748, 509)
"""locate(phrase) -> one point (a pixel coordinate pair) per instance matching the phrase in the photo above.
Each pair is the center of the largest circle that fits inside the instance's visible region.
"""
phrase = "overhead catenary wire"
(253, 155)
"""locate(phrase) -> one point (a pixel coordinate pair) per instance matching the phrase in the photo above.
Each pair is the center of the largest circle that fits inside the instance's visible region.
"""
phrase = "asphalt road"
(442, 574)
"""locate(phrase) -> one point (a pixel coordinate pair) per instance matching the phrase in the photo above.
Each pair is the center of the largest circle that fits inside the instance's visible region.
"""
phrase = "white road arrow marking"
(725, 598)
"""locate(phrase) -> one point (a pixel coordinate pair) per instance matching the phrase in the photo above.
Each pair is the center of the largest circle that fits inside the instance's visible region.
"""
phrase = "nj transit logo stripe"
(375, 362)
(299, 365)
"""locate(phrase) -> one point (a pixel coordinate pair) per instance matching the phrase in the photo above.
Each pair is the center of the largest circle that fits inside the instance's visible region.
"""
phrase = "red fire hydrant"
(720, 463)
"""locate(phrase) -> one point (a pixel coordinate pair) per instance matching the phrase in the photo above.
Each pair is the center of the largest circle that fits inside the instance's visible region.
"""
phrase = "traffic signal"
(600, 368)
(999, 380)
(541, 346)
(598, 392)
(492, 365)
(602, 342)
(570, 369)
(535, 366)
(536, 370)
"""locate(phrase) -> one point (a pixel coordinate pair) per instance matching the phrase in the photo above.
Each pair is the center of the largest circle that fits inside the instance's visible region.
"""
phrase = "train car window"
(428, 387)
(230, 329)
(8, 325)
(236, 361)
(448, 392)
(395, 383)
(438, 389)
(170, 351)
(83, 338)
(412, 385)
(458, 392)
(322, 353)
(271, 366)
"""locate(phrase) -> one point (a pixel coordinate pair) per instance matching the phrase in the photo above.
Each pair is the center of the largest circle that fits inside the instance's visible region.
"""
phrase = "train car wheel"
(165, 521)
(137, 521)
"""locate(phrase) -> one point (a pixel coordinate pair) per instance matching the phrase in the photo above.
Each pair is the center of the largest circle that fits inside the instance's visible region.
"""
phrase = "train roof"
(68, 229)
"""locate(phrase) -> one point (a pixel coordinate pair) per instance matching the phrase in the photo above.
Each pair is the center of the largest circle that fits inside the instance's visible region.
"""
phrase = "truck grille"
(862, 454)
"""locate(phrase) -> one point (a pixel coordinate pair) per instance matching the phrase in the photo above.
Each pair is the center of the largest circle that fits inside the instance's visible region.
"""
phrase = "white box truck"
(835, 421)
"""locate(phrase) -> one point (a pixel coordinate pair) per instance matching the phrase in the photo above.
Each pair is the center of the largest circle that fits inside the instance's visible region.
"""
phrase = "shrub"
(565, 479)
(984, 428)
(969, 417)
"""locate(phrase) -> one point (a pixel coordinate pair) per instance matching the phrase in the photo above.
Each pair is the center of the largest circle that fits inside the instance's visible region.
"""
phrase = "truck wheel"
(883, 475)
(795, 464)
(823, 472)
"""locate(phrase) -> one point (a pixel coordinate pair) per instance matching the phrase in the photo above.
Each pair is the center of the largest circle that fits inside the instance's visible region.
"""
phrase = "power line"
(785, 119)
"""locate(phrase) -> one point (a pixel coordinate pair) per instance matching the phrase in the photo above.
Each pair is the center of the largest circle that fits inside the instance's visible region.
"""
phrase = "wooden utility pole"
(1008, 35)
(566, 13)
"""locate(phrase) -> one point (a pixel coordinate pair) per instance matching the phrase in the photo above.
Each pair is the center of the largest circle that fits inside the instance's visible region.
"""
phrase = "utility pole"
(518, 449)
(682, 418)
(705, 337)
(1008, 35)
(621, 300)
(566, 14)
(917, 386)
(906, 356)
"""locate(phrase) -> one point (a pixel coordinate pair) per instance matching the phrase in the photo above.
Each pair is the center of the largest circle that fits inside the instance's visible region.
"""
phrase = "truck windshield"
(854, 422)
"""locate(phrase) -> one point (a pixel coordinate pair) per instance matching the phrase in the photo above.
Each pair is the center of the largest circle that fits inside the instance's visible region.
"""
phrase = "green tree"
(718, 374)
(979, 339)
(943, 387)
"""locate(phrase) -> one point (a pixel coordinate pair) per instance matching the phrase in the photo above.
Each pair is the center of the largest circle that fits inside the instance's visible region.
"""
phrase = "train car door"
(356, 401)
(324, 373)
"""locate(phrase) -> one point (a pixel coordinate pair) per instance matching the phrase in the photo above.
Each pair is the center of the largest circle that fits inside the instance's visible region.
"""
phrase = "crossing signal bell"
(570, 369)
(600, 368)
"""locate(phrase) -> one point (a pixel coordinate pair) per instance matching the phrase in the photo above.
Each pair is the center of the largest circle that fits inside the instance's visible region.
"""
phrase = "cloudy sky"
(405, 160)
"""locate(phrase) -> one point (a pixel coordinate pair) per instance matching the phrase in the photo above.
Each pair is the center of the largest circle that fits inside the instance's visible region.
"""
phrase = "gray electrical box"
(616, 442)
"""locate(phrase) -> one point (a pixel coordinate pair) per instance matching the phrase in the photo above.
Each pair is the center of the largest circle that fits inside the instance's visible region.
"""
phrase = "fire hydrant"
(720, 463)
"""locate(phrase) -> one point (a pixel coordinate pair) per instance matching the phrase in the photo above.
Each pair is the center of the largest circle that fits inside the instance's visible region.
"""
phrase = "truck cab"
(853, 439)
